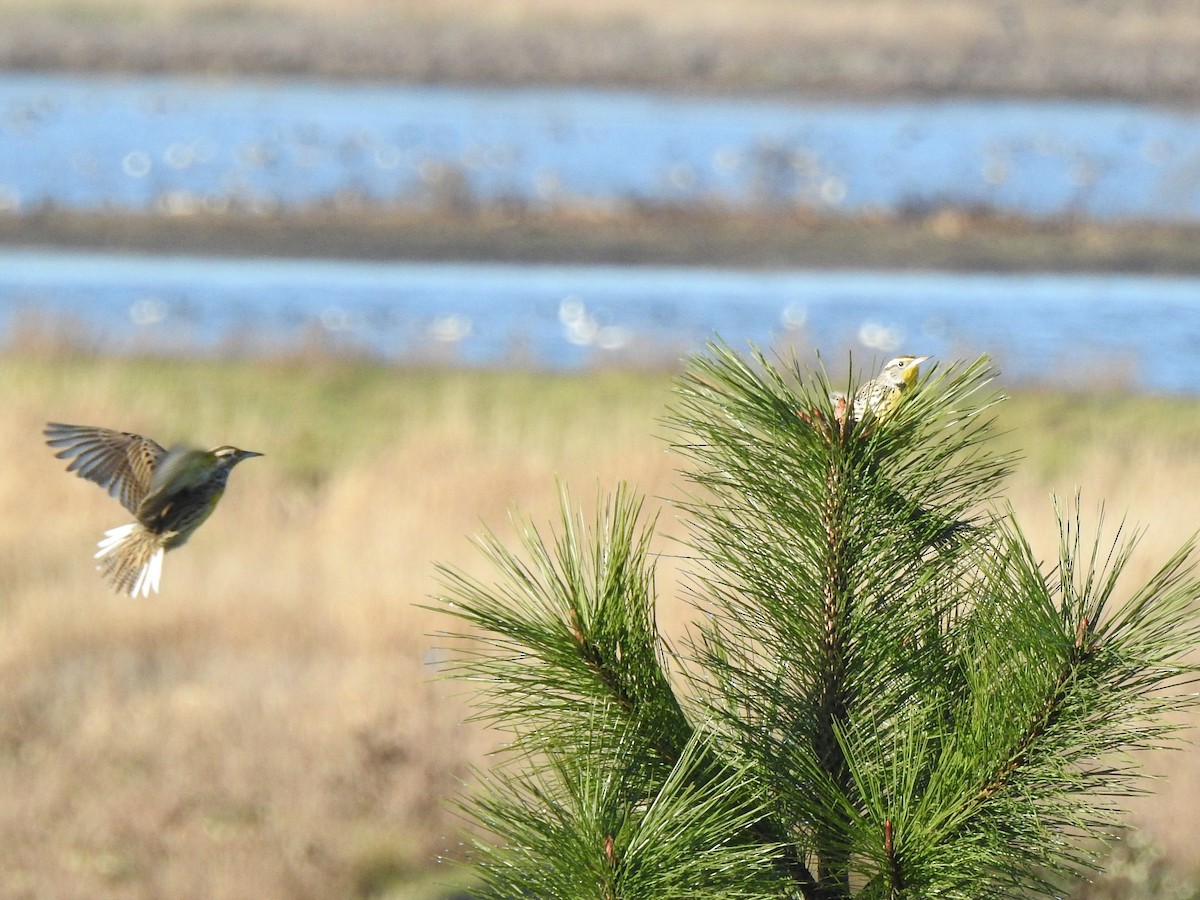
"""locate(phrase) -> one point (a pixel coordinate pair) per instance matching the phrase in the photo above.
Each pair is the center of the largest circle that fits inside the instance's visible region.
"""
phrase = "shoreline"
(1054, 50)
(947, 240)
(741, 48)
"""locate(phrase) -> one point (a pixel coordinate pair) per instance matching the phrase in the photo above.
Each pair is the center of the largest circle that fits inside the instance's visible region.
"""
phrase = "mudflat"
(948, 240)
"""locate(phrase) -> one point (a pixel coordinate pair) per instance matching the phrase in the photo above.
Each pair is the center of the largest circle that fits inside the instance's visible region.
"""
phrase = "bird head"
(227, 457)
(905, 369)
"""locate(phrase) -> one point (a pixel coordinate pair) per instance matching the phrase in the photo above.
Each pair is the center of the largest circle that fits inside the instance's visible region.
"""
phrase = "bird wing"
(120, 462)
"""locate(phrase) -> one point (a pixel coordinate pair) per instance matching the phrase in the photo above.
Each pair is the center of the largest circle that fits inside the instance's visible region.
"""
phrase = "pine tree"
(888, 695)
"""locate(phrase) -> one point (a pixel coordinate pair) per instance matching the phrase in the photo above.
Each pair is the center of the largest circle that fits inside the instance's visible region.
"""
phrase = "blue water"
(1134, 331)
(178, 145)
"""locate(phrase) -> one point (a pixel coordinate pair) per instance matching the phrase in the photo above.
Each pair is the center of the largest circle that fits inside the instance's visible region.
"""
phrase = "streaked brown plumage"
(170, 493)
(881, 395)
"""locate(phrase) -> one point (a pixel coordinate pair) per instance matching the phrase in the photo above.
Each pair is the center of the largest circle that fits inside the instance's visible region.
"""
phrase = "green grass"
(316, 415)
(315, 411)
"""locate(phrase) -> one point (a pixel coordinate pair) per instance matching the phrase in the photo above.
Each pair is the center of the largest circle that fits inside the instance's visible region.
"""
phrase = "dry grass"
(1144, 48)
(944, 20)
(956, 25)
(266, 727)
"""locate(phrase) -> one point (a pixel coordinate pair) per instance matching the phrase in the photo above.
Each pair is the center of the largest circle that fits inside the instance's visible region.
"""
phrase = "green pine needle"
(887, 694)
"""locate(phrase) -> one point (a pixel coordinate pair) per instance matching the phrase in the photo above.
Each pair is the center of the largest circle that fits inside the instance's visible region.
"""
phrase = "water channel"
(177, 145)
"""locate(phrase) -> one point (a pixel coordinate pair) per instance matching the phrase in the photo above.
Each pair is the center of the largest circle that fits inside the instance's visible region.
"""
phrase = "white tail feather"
(127, 546)
(113, 538)
(147, 580)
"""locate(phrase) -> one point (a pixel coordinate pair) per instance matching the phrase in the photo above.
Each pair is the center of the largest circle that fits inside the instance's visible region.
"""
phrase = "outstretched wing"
(121, 463)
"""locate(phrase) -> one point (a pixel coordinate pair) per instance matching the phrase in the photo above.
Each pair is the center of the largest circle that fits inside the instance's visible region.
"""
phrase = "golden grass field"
(267, 726)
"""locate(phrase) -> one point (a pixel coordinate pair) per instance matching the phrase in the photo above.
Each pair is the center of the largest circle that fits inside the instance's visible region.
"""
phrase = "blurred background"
(430, 256)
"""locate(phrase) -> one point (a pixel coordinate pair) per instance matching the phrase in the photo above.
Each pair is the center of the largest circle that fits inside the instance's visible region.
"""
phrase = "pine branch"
(575, 831)
(570, 631)
(1048, 778)
(837, 607)
(562, 642)
(891, 698)
(802, 507)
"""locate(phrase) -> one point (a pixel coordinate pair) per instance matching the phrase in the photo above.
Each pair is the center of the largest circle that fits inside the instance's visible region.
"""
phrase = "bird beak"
(921, 359)
(246, 454)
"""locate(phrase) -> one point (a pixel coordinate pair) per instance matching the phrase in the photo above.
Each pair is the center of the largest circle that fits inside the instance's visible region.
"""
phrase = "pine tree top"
(886, 694)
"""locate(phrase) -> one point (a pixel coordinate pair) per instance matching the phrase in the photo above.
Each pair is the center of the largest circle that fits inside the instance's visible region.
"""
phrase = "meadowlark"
(881, 396)
(170, 493)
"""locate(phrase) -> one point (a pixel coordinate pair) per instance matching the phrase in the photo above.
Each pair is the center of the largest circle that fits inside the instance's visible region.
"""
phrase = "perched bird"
(170, 493)
(881, 396)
